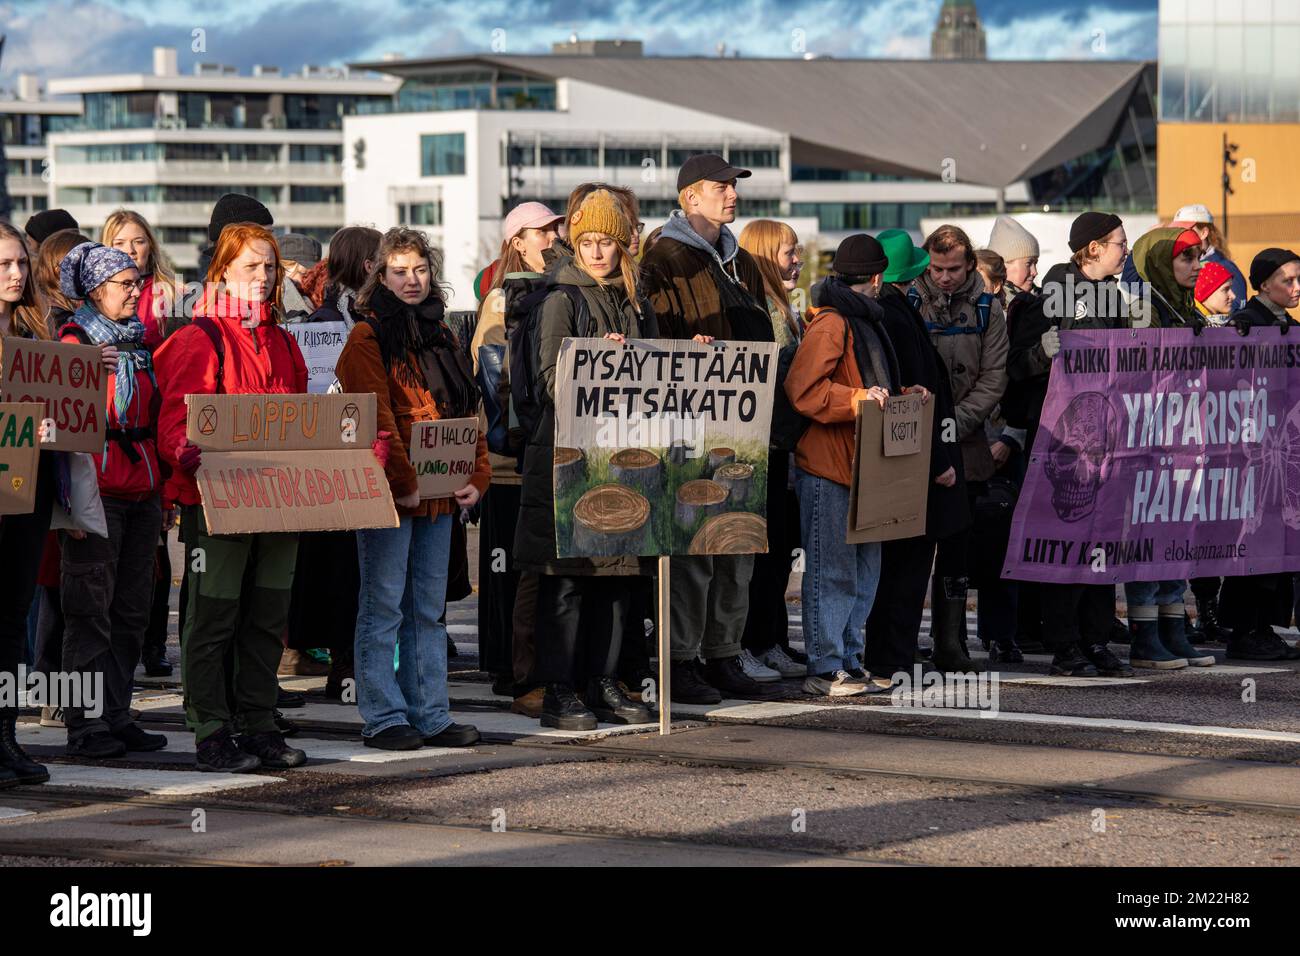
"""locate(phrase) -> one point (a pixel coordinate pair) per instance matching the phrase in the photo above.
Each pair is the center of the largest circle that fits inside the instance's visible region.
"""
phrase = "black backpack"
(526, 397)
(209, 328)
(788, 425)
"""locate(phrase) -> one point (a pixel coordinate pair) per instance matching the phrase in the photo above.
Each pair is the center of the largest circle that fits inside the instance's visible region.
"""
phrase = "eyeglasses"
(127, 284)
(1123, 243)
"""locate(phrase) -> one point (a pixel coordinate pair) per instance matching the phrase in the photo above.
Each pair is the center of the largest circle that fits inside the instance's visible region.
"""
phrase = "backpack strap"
(914, 297)
(983, 305)
(581, 314)
(214, 334)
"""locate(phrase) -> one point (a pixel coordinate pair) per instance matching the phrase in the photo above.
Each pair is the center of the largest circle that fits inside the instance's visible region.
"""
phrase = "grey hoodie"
(679, 227)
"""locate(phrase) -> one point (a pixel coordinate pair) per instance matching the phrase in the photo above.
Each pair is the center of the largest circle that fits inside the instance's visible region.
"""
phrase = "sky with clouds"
(72, 37)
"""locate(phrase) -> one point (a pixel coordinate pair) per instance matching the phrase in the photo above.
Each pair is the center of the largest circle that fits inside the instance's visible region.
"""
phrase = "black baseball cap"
(708, 166)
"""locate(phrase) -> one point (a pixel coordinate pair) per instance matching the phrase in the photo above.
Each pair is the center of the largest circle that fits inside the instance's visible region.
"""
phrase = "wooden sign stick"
(665, 652)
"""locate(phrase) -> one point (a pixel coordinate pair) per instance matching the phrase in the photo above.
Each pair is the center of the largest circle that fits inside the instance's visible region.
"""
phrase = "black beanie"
(45, 224)
(236, 207)
(1267, 262)
(860, 256)
(1092, 226)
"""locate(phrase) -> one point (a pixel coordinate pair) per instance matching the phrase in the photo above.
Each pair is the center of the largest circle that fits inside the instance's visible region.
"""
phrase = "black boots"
(1208, 626)
(220, 753)
(14, 759)
(1070, 662)
(608, 702)
(562, 709)
(947, 614)
(689, 686)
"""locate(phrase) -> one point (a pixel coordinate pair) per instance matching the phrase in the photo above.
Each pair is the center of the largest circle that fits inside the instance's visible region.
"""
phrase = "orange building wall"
(1262, 213)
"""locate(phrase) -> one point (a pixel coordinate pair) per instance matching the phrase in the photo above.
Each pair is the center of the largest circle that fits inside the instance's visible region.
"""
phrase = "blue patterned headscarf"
(88, 266)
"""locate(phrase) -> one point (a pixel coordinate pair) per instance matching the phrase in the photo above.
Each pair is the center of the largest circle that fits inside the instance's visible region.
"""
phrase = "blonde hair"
(27, 313)
(626, 265)
(763, 239)
(157, 265)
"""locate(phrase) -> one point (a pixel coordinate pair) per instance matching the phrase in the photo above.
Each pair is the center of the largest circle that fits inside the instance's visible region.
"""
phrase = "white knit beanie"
(1011, 240)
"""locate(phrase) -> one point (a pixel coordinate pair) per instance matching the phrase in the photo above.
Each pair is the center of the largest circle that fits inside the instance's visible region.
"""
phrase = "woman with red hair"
(234, 346)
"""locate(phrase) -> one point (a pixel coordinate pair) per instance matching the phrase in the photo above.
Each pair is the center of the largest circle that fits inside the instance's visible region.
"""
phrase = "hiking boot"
(1173, 635)
(220, 754)
(781, 661)
(13, 757)
(1261, 644)
(300, 664)
(947, 617)
(270, 748)
(611, 705)
(1070, 662)
(562, 709)
(1148, 652)
(837, 684)
(689, 685)
(1107, 664)
(138, 740)
(727, 675)
(529, 704)
(99, 746)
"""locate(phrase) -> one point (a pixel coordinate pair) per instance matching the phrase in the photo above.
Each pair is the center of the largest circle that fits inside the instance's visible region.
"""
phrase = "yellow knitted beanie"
(600, 212)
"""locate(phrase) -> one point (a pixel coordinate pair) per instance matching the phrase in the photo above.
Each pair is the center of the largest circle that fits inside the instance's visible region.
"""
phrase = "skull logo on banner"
(1078, 457)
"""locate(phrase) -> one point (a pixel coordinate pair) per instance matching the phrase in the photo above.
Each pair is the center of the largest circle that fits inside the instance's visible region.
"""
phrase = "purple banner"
(1163, 455)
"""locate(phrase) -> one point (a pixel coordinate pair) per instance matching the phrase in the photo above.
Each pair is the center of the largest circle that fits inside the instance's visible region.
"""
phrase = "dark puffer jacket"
(610, 311)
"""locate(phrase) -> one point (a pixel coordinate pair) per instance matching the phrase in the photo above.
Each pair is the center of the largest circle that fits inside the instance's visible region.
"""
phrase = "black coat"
(1256, 314)
(947, 509)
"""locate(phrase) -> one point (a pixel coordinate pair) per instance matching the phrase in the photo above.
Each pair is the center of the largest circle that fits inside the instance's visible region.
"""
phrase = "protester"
(107, 583)
(130, 232)
(703, 286)
(1170, 261)
(229, 209)
(1019, 251)
(1213, 294)
(22, 537)
(993, 270)
(506, 652)
(766, 654)
(1197, 218)
(1079, 294)
(407, 356)
(323, 606)
(49, 257)
(298, 254)
(581, 602)
(1248, 601)
(967, 326)
(40, 226)
(234, 346)
(845, 358)
(895, 620)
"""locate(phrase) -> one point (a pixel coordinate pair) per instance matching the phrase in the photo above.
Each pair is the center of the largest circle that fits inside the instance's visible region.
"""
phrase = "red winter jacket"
(144, 311)
(119, 476)
(263, 360)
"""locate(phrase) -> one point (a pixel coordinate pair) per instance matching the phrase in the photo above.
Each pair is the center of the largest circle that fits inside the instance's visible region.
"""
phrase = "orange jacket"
(360, 368)
(821, 383)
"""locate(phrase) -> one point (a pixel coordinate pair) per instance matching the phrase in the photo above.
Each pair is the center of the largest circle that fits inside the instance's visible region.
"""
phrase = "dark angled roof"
(1000, 120)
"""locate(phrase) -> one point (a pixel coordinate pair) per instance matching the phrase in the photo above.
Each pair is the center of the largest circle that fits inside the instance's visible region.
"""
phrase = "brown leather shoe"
(530, 705)
(297, 664)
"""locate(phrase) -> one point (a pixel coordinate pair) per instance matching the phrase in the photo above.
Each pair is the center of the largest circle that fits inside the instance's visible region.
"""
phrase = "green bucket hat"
(906, 261)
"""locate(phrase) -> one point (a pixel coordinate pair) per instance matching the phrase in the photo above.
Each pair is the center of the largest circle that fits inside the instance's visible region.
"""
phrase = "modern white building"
(168, 146)
(836, 146)
(26, 121)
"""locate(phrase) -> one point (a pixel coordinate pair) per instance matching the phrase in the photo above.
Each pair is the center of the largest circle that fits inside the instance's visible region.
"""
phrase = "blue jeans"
(403, 593)
(1154, 593)
(839, 579)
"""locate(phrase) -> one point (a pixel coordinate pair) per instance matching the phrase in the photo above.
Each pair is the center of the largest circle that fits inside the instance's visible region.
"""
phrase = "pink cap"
(528, 215)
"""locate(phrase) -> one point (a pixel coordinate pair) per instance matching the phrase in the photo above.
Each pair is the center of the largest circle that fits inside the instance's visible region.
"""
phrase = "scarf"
(133, 357)
(872, 349)
(1153, 257)
(344, 304)
(418, 349)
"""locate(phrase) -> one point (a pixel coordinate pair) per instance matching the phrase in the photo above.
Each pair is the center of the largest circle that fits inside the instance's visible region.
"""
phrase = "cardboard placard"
(888, 497)
(20, 452)
(443, 453)
(902, 427)
(68, 380)
(321, 344)
(262, 491)
(661, 447)
(290, 422)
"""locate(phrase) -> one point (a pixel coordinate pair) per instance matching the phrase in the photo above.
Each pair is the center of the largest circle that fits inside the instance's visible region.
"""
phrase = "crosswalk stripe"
(163, 783)
(10, 813)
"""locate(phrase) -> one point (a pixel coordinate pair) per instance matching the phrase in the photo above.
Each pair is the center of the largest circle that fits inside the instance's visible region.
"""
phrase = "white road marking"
(750, 710)
(1061, 680)
(166, 783)
(10, 813)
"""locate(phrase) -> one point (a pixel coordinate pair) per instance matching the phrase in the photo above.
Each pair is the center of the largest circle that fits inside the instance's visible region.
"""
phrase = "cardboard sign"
(321, 344)
(888, 497)
(902, 428)
(294, 422)
(661, 447)
(68, 380)
(245, 492)
(443, 453)
(19, 456)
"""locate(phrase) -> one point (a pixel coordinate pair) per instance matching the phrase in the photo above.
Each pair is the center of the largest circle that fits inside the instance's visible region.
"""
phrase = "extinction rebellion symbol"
(350, 414)
(207, 420)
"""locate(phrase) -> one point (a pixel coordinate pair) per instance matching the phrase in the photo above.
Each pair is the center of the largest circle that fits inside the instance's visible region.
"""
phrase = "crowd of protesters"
(965, 326)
